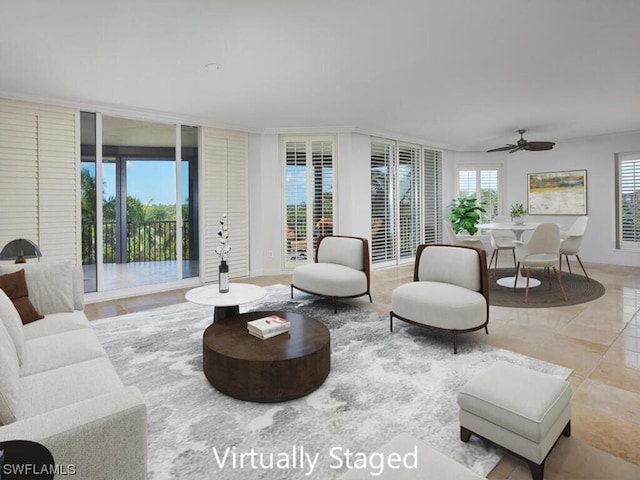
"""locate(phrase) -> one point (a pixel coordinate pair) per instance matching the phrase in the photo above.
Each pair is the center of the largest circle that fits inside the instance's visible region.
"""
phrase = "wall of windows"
(406, 200)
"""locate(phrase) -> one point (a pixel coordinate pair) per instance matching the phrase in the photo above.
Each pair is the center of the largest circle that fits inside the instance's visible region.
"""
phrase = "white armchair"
(341, 269)
(572, 241)
(450, 291)
(541, 250)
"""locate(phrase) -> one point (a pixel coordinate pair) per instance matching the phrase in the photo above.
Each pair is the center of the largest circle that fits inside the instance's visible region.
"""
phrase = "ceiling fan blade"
(515, 149)
(538, 146)
(501, 149)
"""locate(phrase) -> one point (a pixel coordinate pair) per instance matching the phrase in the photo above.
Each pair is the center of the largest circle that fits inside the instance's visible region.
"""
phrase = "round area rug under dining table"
(577, 287)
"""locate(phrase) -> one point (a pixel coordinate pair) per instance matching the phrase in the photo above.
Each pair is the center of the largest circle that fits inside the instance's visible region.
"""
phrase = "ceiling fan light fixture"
(524, 145)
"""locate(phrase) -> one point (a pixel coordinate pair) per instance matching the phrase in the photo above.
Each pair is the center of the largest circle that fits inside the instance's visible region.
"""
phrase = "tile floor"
(599, 340)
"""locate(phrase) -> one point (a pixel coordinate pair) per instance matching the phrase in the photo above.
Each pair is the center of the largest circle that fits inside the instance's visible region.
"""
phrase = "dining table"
(518, 230)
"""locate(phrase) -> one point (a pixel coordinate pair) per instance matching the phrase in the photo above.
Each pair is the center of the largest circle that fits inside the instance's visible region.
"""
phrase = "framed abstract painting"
(557, 193)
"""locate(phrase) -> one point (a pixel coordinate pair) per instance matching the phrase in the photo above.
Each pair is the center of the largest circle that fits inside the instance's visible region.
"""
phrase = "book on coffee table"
(267, 335)
(267, 327)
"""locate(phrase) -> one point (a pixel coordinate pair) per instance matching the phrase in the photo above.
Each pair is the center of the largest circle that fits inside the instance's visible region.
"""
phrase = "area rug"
(380, 384)
(578, 290)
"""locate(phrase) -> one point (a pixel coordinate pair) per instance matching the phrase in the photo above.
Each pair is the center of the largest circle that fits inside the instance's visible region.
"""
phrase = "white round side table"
(225, 304)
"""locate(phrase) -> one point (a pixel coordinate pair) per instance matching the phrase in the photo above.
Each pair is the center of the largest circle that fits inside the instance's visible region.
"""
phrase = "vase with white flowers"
(222, 251)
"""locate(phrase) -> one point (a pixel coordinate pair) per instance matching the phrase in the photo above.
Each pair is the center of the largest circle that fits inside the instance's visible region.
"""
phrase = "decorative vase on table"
(222, 250)
(223, 277)
(517, 213)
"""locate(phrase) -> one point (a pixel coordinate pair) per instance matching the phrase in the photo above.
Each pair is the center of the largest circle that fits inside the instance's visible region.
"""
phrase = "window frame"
(478, 169)
(428, 201)
(620, 159)
(311, 205)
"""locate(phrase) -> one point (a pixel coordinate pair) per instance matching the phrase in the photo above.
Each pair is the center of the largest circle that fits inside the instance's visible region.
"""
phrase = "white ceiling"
(460, 74)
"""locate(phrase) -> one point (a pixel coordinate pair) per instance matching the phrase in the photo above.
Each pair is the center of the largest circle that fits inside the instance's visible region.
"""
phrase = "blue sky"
(152, 181)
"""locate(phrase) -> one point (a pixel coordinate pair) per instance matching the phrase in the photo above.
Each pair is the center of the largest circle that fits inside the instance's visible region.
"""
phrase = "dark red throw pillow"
(15, 286)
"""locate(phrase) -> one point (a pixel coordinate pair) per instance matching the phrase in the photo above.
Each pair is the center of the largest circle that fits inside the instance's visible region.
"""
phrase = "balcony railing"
(147, 241)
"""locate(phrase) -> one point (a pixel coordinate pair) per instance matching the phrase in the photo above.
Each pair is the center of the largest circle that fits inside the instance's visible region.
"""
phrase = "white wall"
(266, 207)
(594, 154)
(353, 182)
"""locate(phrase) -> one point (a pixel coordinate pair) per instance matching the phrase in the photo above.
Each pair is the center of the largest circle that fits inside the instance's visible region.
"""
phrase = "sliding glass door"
(148, 212)
(405, 200)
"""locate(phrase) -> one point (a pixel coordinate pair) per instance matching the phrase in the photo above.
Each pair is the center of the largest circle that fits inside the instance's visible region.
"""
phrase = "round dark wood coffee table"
(280, 368)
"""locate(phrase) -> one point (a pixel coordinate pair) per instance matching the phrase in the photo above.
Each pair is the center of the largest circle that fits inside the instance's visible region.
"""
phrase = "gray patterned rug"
(380, 384)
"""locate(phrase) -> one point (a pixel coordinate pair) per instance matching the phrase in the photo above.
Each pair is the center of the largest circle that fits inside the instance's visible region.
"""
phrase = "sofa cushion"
(55, 351)
(10, 317)
(62, 386)
(50, 285)
(330, 279)
(15, 286)
(55, 323)
(9, 379)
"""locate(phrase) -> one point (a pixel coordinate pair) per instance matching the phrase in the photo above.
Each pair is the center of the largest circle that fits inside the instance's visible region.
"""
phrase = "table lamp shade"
(19, 250)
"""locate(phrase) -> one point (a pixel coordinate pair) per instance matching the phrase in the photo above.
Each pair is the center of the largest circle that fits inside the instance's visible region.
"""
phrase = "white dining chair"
(501, 240)
(466, 241)
(571, 242)
(542, 250)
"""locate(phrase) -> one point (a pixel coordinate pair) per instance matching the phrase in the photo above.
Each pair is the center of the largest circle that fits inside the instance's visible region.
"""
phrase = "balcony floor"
(118, 276)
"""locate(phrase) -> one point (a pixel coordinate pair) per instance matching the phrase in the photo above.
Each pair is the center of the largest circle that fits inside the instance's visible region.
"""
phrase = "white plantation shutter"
(296, 200)
(467, 182)
(382, 201)
(39, 177)
(322, 181)
(224, 189)
(488, 198)
(629, 201)
(408, 188)
(432, 196)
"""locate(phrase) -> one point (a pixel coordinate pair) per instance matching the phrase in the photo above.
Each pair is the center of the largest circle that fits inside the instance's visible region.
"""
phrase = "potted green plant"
(517, 213)
(465, 214)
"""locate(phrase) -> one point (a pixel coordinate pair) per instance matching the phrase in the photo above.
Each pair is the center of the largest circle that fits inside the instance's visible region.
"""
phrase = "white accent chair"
(572, 240)
(450, 291)
(341, 269)
(542, 251)
(469, 241)
(501, 240)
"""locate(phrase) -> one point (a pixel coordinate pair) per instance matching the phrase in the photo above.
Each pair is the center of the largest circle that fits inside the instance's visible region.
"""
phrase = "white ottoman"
(521, 410)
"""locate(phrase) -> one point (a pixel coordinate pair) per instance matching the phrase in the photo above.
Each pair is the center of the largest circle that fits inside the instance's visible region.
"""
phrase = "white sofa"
(58, 386)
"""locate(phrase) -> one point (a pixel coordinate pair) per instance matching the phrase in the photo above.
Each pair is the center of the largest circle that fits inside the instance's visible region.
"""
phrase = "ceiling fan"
(524, 145)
